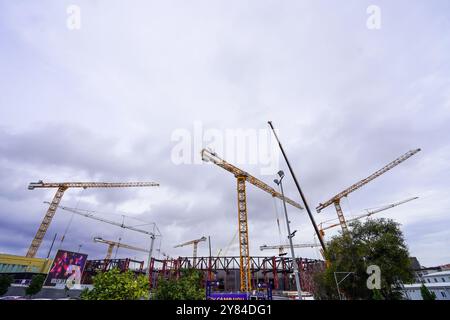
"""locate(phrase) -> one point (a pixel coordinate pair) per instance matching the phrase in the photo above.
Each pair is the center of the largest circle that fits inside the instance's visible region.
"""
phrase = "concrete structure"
(16, 264)
(421, 271)
(437, 282)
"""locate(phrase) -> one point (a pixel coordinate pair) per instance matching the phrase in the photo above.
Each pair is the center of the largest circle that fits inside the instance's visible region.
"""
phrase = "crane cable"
(69, 224)
(122, 231)
(277, 216)
(230, 243)
(277, 209)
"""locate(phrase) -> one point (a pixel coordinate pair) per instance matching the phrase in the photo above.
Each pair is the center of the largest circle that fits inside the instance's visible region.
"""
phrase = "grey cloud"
(347, 100)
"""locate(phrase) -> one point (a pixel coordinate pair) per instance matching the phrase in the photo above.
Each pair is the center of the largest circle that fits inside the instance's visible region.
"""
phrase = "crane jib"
(364, 181)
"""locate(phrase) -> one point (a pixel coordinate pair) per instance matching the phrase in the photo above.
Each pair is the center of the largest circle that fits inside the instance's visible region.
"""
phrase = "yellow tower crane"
(368, 214)
(61, 188)
(242, 177)
(337, 198)
(195, 244)
(112, 244)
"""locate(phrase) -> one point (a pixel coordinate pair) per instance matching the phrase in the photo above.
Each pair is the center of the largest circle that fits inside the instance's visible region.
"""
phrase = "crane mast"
(111, 244)
(241, 178)
(195, 244)
(90, 214)
(61, 188)
(337, 198)
(368, 214)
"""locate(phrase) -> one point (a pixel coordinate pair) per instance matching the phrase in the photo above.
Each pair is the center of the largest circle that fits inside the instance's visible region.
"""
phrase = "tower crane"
(195, 244)
(337, 198)
(90, 214)
(242, 177)
(111, 244)
(61, 188)
(166, 256)
(368, 214)
(225, 251)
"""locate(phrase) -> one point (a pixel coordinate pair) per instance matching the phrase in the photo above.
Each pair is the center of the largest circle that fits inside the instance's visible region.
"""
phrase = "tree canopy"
(187, 287)
(376, 242)
(426, 293)
(35, 285)
(114, 285)
(5, 283)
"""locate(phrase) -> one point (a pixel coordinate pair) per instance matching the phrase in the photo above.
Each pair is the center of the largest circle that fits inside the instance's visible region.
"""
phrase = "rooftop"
(439, 273)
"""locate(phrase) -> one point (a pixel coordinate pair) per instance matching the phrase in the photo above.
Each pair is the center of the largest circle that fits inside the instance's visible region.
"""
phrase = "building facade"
(437, 282)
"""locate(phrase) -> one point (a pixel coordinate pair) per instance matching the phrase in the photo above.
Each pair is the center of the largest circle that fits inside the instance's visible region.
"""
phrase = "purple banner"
(228, 296)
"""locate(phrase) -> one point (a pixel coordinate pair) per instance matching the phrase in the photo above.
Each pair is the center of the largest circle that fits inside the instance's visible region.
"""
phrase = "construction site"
(287, 275)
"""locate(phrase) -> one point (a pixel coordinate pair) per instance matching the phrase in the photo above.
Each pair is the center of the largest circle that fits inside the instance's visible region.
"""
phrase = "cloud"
(101, 103)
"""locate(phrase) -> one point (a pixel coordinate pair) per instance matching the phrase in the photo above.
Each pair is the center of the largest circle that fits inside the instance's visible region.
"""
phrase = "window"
(435, 280)
(443, 280)
(443, 294)
(428, 280)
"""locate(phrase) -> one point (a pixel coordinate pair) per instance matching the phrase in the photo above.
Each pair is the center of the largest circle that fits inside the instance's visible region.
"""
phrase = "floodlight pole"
(290, 236)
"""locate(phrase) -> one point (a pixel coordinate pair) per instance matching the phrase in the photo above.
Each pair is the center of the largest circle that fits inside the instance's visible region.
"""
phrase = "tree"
(377, 242)
(114, 285)
(187, 287)
(5, 283)
(377, 295)
(426, 293)
(35, 285)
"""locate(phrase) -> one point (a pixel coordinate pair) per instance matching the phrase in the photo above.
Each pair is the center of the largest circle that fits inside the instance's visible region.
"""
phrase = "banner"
(66, 270)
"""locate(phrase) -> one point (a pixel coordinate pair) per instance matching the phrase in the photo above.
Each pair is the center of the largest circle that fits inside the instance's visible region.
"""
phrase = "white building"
(437, 282)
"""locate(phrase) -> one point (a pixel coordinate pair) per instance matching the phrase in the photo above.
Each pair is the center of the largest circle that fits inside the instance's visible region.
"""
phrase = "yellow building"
(11, 263)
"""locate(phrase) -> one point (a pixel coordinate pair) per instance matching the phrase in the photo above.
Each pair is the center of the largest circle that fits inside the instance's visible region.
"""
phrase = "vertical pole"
(322, 243)
(294, 262)
(275, 273)
(209, 267)
(194, 260)
(51, 247)
(117, 247)
(150, 252)
(337, 286)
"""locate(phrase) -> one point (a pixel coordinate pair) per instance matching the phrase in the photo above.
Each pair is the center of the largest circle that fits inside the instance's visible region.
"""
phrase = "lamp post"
(290, 236)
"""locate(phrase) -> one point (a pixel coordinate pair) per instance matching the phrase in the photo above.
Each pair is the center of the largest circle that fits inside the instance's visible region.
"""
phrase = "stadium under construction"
(243, 273)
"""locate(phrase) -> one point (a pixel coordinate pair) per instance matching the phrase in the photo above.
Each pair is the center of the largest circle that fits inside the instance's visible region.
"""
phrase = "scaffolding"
(277, 271)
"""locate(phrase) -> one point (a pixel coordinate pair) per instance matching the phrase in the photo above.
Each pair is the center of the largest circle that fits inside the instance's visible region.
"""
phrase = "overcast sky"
(101, 103)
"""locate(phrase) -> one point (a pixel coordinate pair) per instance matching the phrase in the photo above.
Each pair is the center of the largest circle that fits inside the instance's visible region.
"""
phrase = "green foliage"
(114, 285)
(427, 294)
(35, 285)
(187, 287)
(5, 283)
(377, 295)
(376, 242)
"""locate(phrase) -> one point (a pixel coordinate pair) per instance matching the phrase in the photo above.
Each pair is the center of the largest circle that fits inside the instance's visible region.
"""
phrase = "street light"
(290, 236)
